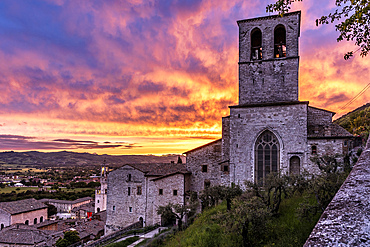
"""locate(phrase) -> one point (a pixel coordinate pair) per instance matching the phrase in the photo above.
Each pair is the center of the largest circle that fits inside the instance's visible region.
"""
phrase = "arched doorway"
(294, 165)
(141, 221)
(266, 156)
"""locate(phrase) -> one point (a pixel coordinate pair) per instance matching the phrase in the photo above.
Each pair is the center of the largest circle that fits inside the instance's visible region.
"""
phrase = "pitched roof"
(17, 207)
(46, 200)
(160, 169)
(327, 131)
(205, 145)
(25, 236)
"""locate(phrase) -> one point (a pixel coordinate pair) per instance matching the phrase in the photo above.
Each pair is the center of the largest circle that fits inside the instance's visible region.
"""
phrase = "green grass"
(21, 189)
(125, 242)
(17, 189)
(286, 229)
(205, 231)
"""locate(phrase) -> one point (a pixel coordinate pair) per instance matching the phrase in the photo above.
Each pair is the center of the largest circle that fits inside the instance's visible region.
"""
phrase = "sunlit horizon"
(145, 77)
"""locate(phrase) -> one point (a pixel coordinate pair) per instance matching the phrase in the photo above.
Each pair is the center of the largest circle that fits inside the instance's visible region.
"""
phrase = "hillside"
(357, 121)
(65, 159)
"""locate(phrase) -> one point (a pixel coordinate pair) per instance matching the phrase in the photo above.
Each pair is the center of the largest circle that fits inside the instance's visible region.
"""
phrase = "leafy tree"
(325, 185)
(172, 211)
(52, 210)
(249, 217)
(271, 191)
(215, 194)
(70, 237)
(353, 17)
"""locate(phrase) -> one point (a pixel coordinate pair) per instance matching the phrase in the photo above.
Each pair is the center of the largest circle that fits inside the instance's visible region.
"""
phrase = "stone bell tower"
(101, 193)
(268, 59)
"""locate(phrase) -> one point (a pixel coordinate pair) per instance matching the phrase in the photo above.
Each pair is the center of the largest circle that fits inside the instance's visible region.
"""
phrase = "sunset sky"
(143, 76)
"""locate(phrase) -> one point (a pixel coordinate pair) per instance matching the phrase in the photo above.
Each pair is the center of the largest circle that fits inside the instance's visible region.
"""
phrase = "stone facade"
(345, 222)
(267, 79)
(270, 130)
(136, 191)
(28, 211)
(65, 206)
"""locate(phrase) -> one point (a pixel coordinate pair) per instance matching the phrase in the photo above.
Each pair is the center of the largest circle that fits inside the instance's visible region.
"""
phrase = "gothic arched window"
(256, 44)
(279, 42)
(267, 156)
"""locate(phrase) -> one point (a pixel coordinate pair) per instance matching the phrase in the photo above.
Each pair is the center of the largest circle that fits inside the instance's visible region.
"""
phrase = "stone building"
(270, 130)
(28, 211)
(135, 192)
(101, 193)
(65, 206)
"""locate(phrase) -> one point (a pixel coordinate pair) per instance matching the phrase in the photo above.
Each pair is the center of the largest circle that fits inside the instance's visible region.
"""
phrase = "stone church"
(270, 130)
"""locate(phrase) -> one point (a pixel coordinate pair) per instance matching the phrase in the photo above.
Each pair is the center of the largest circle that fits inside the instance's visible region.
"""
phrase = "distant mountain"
(357, 121)
(65, 159)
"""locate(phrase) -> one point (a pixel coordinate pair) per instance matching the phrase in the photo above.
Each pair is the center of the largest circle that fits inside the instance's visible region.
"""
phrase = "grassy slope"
(285, 230)
(356, 122)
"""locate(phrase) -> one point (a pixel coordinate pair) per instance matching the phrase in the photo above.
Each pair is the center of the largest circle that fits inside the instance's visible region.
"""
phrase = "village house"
(65, 206)
(28, 211)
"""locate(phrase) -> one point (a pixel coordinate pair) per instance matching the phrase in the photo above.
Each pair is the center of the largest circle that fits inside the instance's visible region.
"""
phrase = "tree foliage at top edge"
(352, 18)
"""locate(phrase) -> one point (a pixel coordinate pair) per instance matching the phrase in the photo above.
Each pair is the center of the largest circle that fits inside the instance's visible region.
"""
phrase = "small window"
(225, 168)
(41, 219)
(98, 201)
(35, 221)
(114, 208)
(98, 210)
(204, 168)
(207, 184)
(2, 226)
(345, 143)
(106, 191)
(129, 177)
(313, 149)
(130, 209)
(129, 191)
(175, 192)
(27, 222)
(161, 191)
(139, 190)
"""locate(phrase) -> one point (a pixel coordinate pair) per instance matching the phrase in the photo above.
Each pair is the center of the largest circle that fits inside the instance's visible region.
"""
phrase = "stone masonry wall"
(119, 202)
(30, 216)
(225, 138)
(209, 155)
(267, 25)
(287, 122)
(167, 185)
(324, 147)
(4, 218)
(346, 220)
(317, 116)
(270, 79)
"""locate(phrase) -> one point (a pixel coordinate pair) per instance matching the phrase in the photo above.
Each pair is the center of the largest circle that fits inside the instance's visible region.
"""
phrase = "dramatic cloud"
(16, 142)
(120, 71)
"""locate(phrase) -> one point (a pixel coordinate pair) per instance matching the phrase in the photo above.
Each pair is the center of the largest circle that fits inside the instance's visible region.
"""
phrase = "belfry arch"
(267, 151)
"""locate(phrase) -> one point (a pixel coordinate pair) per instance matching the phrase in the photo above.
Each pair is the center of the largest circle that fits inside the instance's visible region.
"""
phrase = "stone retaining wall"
(346, 220)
